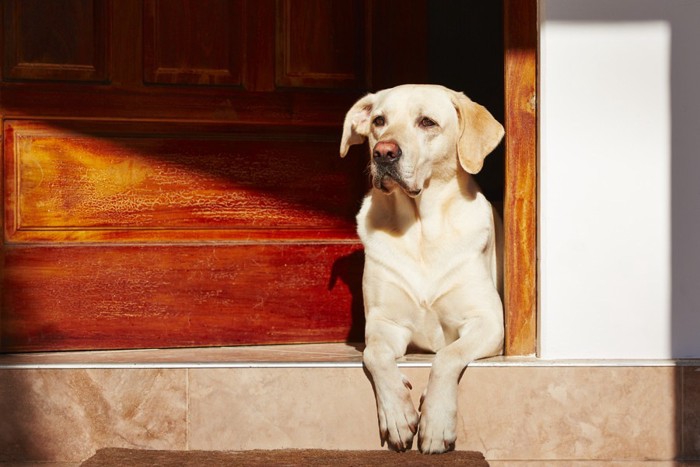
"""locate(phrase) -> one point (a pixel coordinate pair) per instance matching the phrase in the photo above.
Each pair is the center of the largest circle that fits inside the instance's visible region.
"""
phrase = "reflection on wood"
(165, 296)
(62, 183)
(521, 177)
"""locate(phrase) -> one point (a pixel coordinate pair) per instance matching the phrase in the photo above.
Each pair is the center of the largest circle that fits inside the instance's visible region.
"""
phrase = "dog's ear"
(356, 126)
(480, 133)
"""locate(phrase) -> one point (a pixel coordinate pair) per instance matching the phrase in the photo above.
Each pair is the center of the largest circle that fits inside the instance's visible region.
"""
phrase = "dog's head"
(420, 132)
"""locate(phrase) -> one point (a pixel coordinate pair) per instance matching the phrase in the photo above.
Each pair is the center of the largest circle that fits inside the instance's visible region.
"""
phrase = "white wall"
(619, 170)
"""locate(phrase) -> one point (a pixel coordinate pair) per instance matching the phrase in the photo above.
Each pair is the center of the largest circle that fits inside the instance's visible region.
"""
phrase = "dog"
(432, 274)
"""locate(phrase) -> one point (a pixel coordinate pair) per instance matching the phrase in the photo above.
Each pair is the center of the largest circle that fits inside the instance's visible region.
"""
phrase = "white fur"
(431, 273)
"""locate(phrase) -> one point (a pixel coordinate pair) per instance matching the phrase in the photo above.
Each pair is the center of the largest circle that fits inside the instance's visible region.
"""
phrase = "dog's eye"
(426, 122)
(378, 121)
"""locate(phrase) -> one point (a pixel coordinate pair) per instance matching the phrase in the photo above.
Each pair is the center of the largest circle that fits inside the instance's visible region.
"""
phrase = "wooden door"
(171, 169)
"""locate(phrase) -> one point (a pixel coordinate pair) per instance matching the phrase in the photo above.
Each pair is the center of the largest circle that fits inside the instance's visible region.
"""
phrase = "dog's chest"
(426, 260)
(437, 260)
(431, 277)
(426, 254)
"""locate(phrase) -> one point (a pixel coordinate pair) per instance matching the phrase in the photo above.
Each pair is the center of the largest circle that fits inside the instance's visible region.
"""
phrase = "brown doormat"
(286, 457)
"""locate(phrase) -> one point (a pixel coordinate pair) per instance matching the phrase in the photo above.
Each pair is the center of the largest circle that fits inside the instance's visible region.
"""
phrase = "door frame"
(521, 177)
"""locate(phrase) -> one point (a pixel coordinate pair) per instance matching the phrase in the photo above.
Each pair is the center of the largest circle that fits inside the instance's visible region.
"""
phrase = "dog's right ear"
(356, 126)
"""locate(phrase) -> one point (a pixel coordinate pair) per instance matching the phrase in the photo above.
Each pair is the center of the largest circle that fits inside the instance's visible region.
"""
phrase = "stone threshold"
(331, 355)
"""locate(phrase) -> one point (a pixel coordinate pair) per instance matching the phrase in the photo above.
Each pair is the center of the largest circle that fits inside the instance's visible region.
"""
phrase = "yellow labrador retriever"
(431, 275)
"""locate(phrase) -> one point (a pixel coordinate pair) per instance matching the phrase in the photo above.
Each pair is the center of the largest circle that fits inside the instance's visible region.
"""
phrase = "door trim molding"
(520, 210)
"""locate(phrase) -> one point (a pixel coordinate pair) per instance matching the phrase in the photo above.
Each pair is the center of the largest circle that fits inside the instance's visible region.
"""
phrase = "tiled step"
(62, 407)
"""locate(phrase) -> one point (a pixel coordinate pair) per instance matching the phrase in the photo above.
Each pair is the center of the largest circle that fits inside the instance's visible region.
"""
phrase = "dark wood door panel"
(78, 181)
(65, 40)
(166, 296)
(320, 43)
(194, 42)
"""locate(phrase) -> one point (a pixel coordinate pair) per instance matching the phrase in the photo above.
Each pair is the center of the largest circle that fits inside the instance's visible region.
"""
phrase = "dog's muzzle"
(386, 173)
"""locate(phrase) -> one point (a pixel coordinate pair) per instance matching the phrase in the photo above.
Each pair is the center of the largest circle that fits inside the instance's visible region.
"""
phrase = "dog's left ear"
(356, 126)
(480, 133)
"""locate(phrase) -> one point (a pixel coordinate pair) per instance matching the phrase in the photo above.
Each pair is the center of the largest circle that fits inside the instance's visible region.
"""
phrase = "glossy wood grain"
(89, 182)
(163, 296)
(521, 177)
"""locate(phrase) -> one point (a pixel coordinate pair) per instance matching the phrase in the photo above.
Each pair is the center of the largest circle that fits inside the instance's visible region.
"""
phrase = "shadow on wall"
(683, 17)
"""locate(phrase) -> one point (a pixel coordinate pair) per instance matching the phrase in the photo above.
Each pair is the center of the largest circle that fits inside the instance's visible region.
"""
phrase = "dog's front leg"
(438, 421)
(398, 418)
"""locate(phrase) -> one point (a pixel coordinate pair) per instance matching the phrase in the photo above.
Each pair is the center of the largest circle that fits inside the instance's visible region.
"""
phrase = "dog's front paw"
(437, 431)
(398, 419)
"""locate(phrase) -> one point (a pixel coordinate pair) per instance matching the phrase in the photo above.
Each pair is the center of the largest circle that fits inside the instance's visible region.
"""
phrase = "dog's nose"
(386, 152)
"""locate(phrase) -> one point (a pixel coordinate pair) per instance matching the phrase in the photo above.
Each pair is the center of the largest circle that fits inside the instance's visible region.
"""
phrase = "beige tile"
(65, 415)
(691, 413)
(570, 413)
(585, 413)
(507, 412)
(326, 408)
